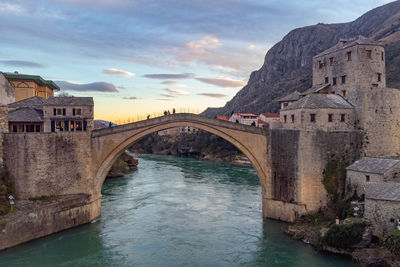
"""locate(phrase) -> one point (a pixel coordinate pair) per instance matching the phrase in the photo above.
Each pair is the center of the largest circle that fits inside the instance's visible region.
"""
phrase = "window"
(66, 124)
(73, 112)
(367, 178)
(85, 125)
(312, 117)
(79, 126)
(54, 111)
(344, 93)
(330, 117)
(382, 56)
(343, 79)
(59, 111)
(331, 61)
(284, 119)
(78, 111)
(379, 77)
(37, 128)
(292, 118)
(63, 111)
(53, 126)
(71, 126)
(285, 104)
(334, 80)
(319, 64)
(342, 117)
(348, 55)
(368, 55)
(326, 80)
(14, 128)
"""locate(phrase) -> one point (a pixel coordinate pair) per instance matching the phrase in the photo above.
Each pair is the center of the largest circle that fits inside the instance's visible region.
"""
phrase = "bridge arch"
(108, 144)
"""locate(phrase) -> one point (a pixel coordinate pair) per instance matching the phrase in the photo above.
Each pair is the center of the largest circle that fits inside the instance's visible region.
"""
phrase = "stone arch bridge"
(109, 143)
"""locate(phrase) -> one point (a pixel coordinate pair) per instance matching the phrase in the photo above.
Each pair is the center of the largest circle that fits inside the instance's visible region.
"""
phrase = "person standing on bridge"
(169, 113)
(173, 111)
(165, 113)
(148, 116)
(110, 124)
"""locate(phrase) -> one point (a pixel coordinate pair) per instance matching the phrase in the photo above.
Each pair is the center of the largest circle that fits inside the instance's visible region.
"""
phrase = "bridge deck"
(179, 117)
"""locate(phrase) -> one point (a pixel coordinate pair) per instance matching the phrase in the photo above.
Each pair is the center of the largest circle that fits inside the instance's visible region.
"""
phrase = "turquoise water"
(175, 212)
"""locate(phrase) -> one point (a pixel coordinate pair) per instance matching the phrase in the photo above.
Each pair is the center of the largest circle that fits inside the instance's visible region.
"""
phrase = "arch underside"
(129, 137)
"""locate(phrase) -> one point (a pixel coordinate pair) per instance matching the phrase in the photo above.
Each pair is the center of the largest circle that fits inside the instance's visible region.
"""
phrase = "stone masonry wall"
(47, 164)
(297, 160)
(381, 122)
(3, 128)
(379, 213)
(40, 219)
(7, 95)
(316, 149)
(284, 145)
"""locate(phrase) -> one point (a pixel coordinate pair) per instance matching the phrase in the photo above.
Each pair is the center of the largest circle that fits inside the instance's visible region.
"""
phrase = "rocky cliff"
(288, 64)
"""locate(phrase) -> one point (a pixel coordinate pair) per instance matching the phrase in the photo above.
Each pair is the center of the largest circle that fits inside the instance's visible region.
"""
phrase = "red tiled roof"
(271, 115)
(248, 114)
(223, 118)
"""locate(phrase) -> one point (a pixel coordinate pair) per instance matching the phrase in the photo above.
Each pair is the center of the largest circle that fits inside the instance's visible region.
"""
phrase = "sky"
(142, 57)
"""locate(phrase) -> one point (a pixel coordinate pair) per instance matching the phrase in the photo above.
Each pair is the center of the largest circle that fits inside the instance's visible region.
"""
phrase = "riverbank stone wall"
(49, 164)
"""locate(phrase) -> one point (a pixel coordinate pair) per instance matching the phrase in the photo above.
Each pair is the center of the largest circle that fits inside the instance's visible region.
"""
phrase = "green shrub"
(6, 188)
(392, 242)
(334, 178)
(344, 235)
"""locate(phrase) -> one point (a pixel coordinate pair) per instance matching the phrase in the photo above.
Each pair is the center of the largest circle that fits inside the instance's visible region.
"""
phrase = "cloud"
(130, 97)
(172, 83)
(165, 99)
(222, 82)
(170, 76)
(21, 63)
(214, 95)
(168, 95)
(11, 8)
(87, 87)
(118, 72)
(175, 91)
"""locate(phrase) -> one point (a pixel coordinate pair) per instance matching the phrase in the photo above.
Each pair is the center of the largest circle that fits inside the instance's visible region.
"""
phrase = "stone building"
(371, 171)
(382, 206)
(26, 115)
(56, 114)
(319, 112)
(355, 69)
(244, 118)
(26, 86)
(64, 114)
(291, 98)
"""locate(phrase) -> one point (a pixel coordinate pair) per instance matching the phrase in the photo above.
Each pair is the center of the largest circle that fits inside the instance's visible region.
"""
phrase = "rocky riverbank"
(124, 164)
(200, 145)
(361, 246)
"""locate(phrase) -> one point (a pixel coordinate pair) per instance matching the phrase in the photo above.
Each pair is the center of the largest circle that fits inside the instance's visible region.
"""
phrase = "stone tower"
(6, 97)
(355, 69)
(351, 68)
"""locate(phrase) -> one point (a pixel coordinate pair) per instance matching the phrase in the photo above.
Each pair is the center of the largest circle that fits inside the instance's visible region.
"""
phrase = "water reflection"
(175, 212)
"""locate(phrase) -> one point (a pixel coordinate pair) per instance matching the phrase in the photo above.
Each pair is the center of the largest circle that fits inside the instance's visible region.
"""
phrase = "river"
(175, 212)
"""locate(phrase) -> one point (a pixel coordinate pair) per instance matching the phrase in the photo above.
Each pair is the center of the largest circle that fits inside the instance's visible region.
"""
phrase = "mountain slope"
(288, 64)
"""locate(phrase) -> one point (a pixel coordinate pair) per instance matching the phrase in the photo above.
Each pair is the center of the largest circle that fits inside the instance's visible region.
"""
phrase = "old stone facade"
(382, 206)
(63, 114)
(369, 171)
(7, 94)
(319, 112)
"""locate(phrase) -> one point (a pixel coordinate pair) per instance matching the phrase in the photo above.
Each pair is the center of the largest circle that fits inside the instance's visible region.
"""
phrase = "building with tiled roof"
(54, 114)
(223, 118)
(327, 112)
(288, 99)
(244, 118)
(371, 170)
(26, 85)
(382, 206)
